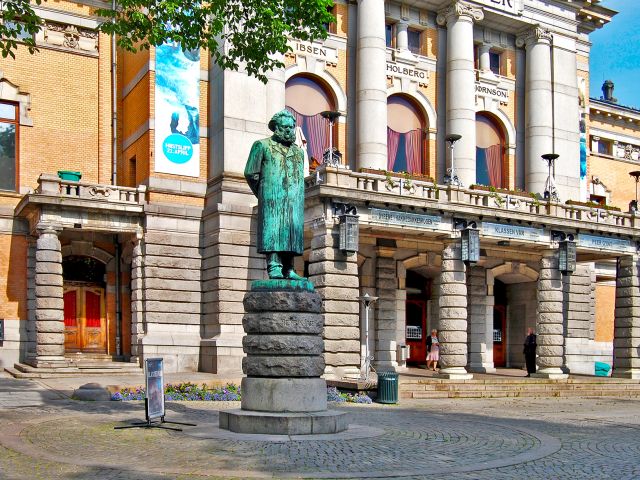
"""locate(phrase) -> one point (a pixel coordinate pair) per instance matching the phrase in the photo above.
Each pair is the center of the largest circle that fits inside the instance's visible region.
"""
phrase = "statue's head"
(283, 126)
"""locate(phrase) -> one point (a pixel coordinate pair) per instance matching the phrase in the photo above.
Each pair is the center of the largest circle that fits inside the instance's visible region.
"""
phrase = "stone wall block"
(49, 303)
(549, 340)
(50, 327)
(48, 242)
(477, 290)
(447, 277)
(50, 338)
(452, 360)
(54, 315)
(632, 342)
(44, 279)
(332, 306)
(458, 337)
(341, 333)
(625, 322)
(453, 289)
(550, 318)
(334, 280)
(282, 322)
(545, 361)
(340, 319)
(552, 285)
(283, 366)
(342, 358)
(453, 266)
(335, 268)
(550, 295)
(341, 345)
(452, 313)
(550, 307)
(275, 344)
(49, 267)
(449, 326)
(627, 312)
(50, 350)
(453, 301)
(282, 301)
(549, 263)
(625, 301)
(550, 329)
(48, 256)
(550, 351)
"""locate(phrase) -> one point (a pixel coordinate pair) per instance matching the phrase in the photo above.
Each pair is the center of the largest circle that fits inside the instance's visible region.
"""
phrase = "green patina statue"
(275, 173)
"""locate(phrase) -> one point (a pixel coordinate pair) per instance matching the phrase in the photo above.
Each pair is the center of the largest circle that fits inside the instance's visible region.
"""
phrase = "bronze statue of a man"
(275, 173)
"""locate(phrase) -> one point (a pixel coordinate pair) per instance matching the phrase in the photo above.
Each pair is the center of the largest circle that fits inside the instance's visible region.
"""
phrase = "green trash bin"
(602, 369)
(69, 175)
(387, 387)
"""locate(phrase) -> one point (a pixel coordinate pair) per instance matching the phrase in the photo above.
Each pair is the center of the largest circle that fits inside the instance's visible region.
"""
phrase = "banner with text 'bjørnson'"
(177, 114)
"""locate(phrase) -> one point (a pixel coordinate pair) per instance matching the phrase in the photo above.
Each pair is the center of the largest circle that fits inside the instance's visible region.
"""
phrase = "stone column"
(31, 298)
(484, 57)
(550, 318)
(453, 314)
(626, 341)
(335, 277)
(460, 105)
(402, 36)
(538, 106)
(387, 322)
(49, 304)
(480, 328)
(371, 86)
(137, 304)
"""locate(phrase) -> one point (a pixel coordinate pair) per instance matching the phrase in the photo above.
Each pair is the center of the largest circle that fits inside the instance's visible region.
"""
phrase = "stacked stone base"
(283, 393)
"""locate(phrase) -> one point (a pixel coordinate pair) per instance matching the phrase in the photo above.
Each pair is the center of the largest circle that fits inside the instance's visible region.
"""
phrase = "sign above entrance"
(605, 243)
(406, 71)
(493, 92)
(510, 6)
(316, 50)
(392, 217)
(514, 232)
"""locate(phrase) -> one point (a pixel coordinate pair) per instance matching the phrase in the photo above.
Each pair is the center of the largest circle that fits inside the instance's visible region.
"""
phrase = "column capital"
(458, 10)
(534, 35)
(45, 228)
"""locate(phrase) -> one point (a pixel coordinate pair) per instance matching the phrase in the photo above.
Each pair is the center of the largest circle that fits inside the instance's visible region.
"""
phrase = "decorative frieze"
(68, 37)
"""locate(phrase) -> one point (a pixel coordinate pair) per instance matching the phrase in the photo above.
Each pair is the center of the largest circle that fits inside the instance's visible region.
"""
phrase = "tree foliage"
(248, 32)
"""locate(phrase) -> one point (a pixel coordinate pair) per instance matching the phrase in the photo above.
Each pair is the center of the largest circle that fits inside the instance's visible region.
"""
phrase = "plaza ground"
(44, 434)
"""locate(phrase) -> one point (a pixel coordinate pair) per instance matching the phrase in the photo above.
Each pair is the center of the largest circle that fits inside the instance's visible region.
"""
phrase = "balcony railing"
(53, 185)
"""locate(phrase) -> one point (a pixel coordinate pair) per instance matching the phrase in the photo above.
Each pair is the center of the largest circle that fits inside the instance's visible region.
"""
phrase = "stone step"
(22, 370)
(523, 393)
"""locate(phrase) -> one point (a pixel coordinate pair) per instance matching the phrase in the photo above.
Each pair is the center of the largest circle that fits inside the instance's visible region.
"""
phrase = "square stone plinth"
(283, 423)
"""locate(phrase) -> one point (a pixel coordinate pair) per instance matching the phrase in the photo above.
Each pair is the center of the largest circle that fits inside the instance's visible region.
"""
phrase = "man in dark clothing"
(530, 351)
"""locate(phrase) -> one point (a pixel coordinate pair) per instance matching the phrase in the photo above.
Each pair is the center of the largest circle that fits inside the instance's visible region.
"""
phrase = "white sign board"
(315, 50)
(405, 71)
(491, 91)
(393, 217)
(605, 243)
(514, 232)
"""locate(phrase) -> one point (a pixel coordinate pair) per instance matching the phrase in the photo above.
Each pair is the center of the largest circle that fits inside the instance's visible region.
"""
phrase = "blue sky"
(615, 54)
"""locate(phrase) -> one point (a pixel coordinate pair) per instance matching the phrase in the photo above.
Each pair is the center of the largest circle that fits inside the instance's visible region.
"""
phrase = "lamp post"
(634, 205)
(452, 177)
(366, 300)
(550, 192)
(332, 116)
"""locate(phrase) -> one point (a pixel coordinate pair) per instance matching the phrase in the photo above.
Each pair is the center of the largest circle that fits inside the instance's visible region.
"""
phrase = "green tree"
(248, 32)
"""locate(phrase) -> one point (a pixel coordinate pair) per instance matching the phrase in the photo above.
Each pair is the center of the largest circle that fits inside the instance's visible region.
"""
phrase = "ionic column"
(538, 111)
(484, 57)
(460, 102)
(550, 318)
(371, 86)
(335, 277)
(48, 299)
(453, 314)
(626, 338)
(480, 311)
(402, 35)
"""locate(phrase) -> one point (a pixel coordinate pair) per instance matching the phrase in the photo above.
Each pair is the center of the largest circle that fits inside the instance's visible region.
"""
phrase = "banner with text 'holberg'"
(177, 114)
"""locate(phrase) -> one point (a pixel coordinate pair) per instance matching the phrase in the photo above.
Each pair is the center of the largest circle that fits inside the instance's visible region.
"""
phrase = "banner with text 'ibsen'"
(177, 113)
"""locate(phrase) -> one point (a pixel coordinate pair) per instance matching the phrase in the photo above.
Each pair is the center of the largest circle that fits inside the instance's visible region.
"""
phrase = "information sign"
(393, 217)
(154, 383)
(515, 232)
(604, 243)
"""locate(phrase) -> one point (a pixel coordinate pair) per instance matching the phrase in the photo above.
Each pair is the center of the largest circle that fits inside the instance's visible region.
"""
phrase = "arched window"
(405, 136)
(490, 149)
(305, 98)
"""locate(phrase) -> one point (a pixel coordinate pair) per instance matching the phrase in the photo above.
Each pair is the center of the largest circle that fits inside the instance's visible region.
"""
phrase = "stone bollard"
(283, 392)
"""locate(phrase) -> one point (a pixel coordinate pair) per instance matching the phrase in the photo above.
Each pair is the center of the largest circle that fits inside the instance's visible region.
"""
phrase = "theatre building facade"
(455, 177)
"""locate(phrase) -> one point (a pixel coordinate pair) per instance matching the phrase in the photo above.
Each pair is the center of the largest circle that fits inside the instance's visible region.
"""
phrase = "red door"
(499, 336)
(84, 322)
(416, 326)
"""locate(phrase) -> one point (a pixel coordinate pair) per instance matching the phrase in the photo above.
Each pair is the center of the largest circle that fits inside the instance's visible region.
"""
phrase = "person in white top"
(433, 347)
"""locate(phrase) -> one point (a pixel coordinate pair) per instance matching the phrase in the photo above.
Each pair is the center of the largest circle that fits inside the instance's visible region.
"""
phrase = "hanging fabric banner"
(177, 114)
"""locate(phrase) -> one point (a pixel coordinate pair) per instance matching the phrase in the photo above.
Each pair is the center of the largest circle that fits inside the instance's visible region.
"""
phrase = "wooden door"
(416, 331)
(84, 319)
(499, 336)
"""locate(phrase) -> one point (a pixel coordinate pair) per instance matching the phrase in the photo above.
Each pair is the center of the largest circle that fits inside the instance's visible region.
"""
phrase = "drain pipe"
(114, 182)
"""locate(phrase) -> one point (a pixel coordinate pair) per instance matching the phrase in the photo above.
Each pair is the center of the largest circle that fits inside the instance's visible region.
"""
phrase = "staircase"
(79, 366)
(575, 386)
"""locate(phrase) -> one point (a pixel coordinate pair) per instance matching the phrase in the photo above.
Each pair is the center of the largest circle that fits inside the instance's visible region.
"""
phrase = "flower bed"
(506, 191)
(228, 393)
(611, 208)
(403, 175)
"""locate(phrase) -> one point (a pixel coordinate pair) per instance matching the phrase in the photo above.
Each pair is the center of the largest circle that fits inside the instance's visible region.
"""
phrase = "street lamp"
(550, 190)
(451, 177)
(633, 207)
(332, 116)
(367, 301)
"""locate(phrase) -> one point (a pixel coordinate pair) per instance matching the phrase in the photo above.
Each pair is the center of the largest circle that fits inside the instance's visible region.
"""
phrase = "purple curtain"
(413, 148)
(393, 138)
(316, 131)
(493, 154)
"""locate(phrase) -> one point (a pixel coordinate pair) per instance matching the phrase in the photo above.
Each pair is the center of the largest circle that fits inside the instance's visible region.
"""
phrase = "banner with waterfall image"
(177, 113)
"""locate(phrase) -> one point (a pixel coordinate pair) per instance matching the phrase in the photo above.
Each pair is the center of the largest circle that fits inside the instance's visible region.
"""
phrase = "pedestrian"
(433, 347)
(530, 351)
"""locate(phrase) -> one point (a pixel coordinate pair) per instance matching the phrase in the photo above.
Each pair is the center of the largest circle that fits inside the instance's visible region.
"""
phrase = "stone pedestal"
(283, 393)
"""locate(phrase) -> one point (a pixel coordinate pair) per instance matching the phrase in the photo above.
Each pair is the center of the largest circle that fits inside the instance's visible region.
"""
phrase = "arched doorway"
(306, 97)
(418, 290)
(500, 324)
(85, 325)
(406, 141)
(490, 152)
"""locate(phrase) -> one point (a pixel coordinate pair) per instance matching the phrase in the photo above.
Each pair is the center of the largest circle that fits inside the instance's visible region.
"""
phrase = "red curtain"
(393, 138)
(92, 309)
(493, 154)
(316, 130)
(413, 148)
(70, 311)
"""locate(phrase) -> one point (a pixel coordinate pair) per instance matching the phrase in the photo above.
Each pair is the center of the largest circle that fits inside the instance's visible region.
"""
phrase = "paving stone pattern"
(435, 439)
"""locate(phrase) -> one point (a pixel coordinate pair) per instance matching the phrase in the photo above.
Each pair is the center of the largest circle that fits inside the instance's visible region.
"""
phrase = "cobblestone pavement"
(44, 436)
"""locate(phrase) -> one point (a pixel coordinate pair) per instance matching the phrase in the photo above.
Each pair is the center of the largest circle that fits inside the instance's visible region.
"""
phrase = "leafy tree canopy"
(251, 32)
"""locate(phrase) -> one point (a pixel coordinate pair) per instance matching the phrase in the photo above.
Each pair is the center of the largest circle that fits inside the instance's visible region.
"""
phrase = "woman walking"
(433, 347)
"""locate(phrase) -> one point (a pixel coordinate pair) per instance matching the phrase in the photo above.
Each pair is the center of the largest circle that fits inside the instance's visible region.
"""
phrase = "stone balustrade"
(53, 185)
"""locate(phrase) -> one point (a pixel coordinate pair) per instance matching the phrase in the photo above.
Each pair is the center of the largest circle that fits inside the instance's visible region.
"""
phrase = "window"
(414, 41)
(8, 145)
(388, 29)
(133, 179)
(489, 152)
(331, 27)
(598, 199)
(605, 147)
(494, 62)
(405, 136)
